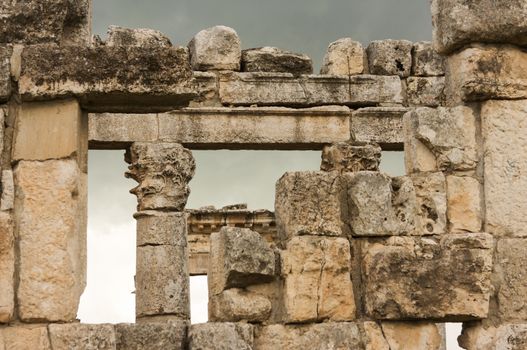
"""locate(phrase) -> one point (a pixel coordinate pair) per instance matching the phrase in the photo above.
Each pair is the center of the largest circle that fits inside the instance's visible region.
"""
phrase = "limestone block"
(412, 336)
(151, 336)
(430, 190)
(76, 336)
(351, 157)
(310, 203)
(320, 336)
(163, 171)
(284, 89)
(221, 336)
(426, 62)
(373, 337)
(233, 305)
(445, 278)
(383, 125)
(125, 78)
(457, 23)
(425, 91)
(504, 125)
(215, 48)
(238, 258)
(8, 191)
(484, 72)
(464, 204)
(344, 57)
(38, 22)
(449, 134)
(161, 228)
(25, 338)
(162, 281)
(505, 336)
(272, 59)
(51, 222)
(5, 72)
(390, 57)
(7, 268)
(121, 129)
(142, 37)
(206, 87)
(317, 280)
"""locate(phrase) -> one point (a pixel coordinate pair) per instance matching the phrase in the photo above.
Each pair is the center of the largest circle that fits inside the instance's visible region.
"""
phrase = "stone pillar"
(163, 171)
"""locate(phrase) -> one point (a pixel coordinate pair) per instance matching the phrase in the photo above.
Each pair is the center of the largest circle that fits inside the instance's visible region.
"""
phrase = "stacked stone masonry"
(351, 258)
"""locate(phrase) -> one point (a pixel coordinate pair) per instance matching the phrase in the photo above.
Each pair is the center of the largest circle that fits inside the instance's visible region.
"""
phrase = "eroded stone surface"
(430, 189)
(215, 48)
(464, 204)
(233, 305)
(151, 336)
(412, 336)
(390, 57)
(383, 125)
(142, 37)
(503, 337)
(7, 268)
(76, 336)
(161, 228)
(272, 59)
(426, 61)
(221, 336)
(351, 157)
(8, 191)
(344, 57)
(25, 338)
(425, 91)
(5, 72)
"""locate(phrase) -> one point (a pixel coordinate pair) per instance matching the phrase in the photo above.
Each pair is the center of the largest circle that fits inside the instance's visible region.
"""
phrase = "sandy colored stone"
(504, 125)
(25, 338)
(426, 62)
(161, 228)
(221, 336)
(464, 204)
(272, 59)
(457, 23)
(215, 48)
(143, 37)
(344, 57)
(317, 280)
(233, 305)
(390, 57)
(502, 337)
(51, 222)
(8, 191)
(373, 337)
(430, 190)
(425, 91)
(412, 336)
(238, 258)
(445, 278)
(7, 268)
(151, 336)
(76, 336)
(417, 156)
(310, 203)
(5, 72)
(382, 125)
(206, 86)
(351, 157)
(120, 129)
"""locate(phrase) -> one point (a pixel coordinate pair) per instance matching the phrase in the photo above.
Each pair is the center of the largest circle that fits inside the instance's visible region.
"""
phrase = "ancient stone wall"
(350, 259)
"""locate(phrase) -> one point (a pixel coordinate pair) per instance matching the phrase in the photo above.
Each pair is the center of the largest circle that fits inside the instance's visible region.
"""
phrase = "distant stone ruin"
(350, 259)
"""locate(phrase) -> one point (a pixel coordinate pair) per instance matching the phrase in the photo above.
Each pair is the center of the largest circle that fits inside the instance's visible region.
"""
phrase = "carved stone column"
(163, 171)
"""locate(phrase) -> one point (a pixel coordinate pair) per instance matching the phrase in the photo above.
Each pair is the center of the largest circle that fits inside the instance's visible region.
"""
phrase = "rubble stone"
(151, 336)
(464, 204)
(5, 72)
(142, 37)
(215, 48)
(383, 125)
(7, 268)
(272, 59)
(221, 336)
(426, 62)
(25, 338)
(430, 190)
(344, 57)
(351, 157)
(76, 336)
(425, 91)
(505, 336)
(390, 57)
(233, 305)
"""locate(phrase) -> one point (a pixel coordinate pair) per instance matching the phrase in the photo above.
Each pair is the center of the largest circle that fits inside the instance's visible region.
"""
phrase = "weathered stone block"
(25, 338)
(317, 280)
(444, 279)
(412, 336)
(151, 336)
(457, 23)
(430, 190)
(383, 125)
(504, 125)
(161, 228)
(426, 62)
(505, 336)
(320, 336)
(7, 268)
(51, 223)
(390, 57)
(206, 86)
(221, 336)
(238, 258)
(425, 91)
(5, 72)
(142, 37)
(76, 336)
(8, 191)
(464, 204)
(233, 305)
(284, 89)
(272, 59)
(344, 57)
(310, 203)
(118, 130)
(215, 48)
(351, 157)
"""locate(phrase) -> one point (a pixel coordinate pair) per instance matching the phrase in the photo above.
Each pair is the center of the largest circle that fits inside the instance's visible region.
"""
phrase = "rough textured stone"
(383, 125)
(215, 48)
(161, 228)
(8, 191)
(143, 37)
(457, 23)
(412, 336)
(430, 190)
(344, 57)
(233, 305)
(321, 336)
(76, 336)
(373, 337)
(284, 89)
(484, 72)
(310, 203)
(317, 281)
(425, 91)
(428, 278)
(390, 57)
(351, 157)
(163, 171)
(7, 268)
(121, 129)
(5, 72)
(151, 336)
(464, 204)
(25, 338)
(272, 59)
(426, 62)
(502, 337)
(206, 87)
(51, 223)
(106, 78)
(504, 125)
(221, 336)
(238, 258)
